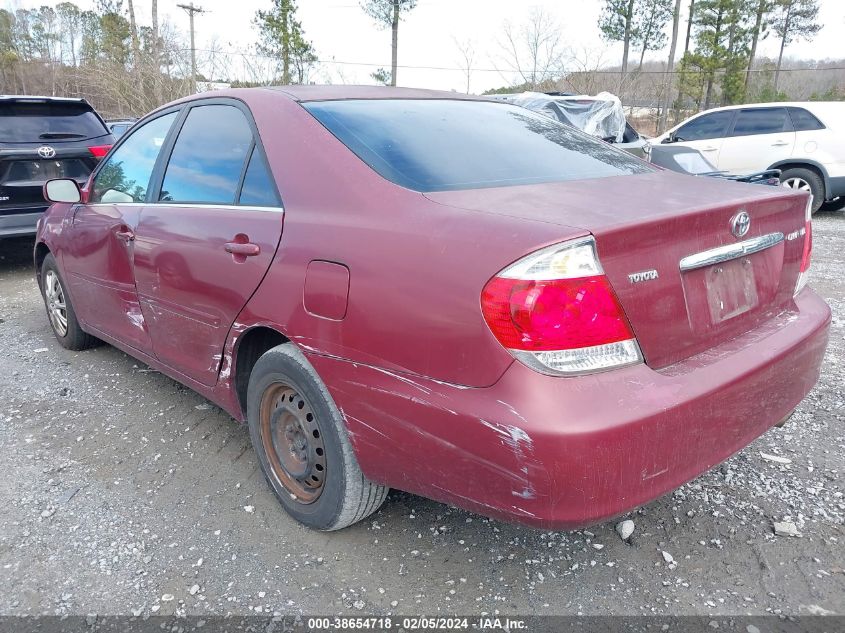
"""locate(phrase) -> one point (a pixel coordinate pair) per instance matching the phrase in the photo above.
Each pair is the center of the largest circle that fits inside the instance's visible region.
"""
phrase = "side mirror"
(669, 139)
(62, 190)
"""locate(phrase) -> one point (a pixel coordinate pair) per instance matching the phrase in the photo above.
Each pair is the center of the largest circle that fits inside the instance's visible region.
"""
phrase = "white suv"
(805, 140)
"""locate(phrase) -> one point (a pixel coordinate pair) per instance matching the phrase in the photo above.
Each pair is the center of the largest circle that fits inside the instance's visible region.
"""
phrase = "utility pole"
(190, 9)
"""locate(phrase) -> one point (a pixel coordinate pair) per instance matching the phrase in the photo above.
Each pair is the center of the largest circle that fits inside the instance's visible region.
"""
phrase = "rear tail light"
(556, 312)
(804, 275)
(98, 151)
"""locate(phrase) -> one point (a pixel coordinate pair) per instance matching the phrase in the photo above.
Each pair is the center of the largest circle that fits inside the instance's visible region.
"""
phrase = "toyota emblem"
(45, 151)
(740, 224)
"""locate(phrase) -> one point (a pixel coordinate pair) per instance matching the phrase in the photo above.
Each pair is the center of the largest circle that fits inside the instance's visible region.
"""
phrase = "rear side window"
(440, 145)
(258, 188)
(803, 120)
(762, 121)
(208, 156)
(714, 125)
(22, 122)
(125, 175)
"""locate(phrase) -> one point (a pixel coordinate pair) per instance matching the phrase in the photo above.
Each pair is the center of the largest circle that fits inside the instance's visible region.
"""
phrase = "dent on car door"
(203, 246)
(98, 252)
(706, 134)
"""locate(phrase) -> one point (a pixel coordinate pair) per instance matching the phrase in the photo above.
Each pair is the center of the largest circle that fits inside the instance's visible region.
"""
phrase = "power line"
(518, 70)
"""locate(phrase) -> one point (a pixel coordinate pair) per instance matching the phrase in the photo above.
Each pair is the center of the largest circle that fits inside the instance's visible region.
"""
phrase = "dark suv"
(43, 138)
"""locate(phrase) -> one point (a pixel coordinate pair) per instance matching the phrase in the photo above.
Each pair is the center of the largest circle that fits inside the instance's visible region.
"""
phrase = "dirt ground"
(124, 492)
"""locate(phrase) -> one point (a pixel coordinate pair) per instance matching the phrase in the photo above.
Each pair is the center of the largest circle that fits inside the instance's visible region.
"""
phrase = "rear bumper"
(16, 222)
(562, 453)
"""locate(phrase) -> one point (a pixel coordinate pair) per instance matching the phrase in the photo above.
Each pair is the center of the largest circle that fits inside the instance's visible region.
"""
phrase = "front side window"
(443, 144)
(208, 156)
(125, 175)
(762, 121)
(714, 125)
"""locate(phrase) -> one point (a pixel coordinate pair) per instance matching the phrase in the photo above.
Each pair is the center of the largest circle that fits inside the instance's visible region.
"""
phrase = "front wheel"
(60, 310)
(302, 446)
(804, 180)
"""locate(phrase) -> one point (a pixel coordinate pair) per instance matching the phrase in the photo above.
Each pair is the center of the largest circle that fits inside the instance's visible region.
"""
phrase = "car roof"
(340, 92)
(807, 105)
(826, 111)
(38, 98)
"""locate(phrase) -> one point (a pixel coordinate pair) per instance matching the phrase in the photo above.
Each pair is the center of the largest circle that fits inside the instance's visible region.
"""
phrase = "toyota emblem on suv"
(740, 224)
(45, 151)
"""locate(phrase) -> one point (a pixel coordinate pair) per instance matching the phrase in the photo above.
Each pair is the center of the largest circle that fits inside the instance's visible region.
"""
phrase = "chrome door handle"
(709, 148)
(779, 144)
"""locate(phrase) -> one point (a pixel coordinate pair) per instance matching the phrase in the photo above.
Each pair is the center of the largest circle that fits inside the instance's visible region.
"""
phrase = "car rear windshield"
(441, 145)
(27, 122)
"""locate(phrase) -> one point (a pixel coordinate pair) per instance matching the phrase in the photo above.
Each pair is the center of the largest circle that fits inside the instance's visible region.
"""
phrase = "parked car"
(118, 127)
(601, 115)
(805, 140)
(43, 138)
(686, 160)
(442, 294)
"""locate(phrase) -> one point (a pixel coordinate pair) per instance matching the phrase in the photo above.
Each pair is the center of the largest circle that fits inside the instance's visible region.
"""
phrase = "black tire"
(302, 445)
(54, 293)
(837, 204)
(798, 177)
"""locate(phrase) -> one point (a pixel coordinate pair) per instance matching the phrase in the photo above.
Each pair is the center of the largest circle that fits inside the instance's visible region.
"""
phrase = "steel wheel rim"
(797, 183)
(292, 442)
(56, 306)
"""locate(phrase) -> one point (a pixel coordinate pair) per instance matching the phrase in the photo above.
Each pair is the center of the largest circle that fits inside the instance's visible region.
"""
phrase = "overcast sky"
(341, 32)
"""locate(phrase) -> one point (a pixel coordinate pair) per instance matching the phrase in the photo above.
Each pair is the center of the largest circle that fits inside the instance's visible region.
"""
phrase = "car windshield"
(441, 144)
(31, 122)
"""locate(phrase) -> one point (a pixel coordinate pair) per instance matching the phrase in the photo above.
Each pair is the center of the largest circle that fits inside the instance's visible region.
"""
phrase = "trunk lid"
(649, 223)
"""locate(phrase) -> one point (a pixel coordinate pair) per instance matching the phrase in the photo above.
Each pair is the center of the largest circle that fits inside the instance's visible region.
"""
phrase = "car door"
(205, 242)
(760, 137)
(98, 254)
(705, 133)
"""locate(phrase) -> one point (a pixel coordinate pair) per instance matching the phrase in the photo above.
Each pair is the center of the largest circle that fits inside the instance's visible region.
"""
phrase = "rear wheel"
(60, 310)
(802, 179)
(302, 446)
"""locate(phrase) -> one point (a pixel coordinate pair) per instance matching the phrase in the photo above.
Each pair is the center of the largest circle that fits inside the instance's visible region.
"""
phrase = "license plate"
(731, 289)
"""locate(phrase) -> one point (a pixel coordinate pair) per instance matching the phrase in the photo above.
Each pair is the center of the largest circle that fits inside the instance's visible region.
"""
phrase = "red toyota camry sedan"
(447, 295)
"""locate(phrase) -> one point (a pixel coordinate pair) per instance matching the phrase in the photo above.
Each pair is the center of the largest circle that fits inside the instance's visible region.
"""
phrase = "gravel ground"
(125, 492)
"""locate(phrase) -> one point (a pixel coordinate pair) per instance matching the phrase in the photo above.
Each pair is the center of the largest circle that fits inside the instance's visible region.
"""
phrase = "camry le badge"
(45, 151)
(646, 275)
(740, 224)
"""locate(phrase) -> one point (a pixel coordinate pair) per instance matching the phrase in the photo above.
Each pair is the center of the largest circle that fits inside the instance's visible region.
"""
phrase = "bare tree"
(133, 29)
(586, 76)
(532, 51)
(466, 49)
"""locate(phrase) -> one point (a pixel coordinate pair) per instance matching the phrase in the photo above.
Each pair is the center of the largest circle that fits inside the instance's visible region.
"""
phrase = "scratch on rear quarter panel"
(653, 475)
(523, 449)
(512, 410)
(407, 381)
